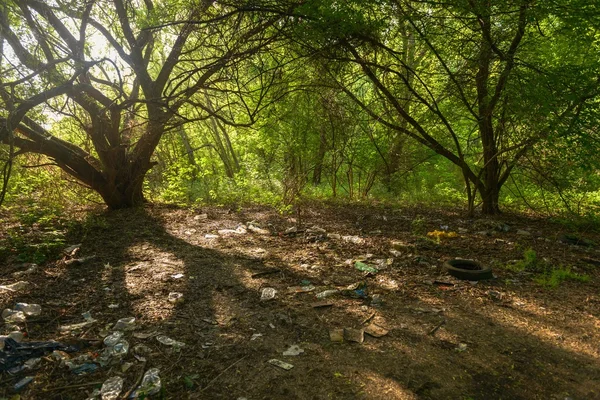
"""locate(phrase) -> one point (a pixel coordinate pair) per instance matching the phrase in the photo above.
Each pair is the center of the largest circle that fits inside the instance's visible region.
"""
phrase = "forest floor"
(506, 338)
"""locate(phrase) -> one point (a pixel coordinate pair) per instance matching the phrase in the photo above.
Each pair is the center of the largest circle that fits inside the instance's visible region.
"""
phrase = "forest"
(300, 199)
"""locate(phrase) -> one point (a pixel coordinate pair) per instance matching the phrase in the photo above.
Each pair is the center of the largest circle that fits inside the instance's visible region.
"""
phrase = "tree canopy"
(358, 92)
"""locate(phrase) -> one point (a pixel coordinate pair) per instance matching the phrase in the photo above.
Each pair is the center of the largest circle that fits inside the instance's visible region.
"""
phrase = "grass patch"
(555, 277)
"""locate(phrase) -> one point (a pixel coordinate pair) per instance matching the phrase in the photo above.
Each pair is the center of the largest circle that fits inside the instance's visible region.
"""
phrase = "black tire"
(468, 270)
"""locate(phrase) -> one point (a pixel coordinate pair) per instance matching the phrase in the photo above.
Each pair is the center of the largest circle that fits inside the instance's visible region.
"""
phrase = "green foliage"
(529, 263)
(554, 277)
(34, 234)
(418, 225)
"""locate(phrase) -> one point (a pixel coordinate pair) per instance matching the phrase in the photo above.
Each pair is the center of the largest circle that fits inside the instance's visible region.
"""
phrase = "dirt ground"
(506, 338)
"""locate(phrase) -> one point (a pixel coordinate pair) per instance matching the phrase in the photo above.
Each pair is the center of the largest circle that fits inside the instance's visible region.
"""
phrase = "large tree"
(478, 82)
(125, 72)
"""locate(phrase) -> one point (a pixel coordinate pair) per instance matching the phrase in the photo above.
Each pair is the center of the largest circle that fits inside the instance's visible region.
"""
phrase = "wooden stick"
(368, 319)
(73, 386)
(225, 370)
(438, 326)
(137, 383)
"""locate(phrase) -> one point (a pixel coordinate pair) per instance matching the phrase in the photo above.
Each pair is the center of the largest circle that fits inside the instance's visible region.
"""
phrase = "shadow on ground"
(527, 346)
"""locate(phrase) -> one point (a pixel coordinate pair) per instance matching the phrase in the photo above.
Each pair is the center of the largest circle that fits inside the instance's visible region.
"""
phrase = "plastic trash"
(16, 336)
(75, 327)
(22, 383)
(15, 287)
(150, 384)
(281, 364)
(167, 341)
(293, 350)
(111, 388)
(31, 268)
(27, 365)
(13, 316)
(268, 294)
(125, 324)
(84, 369)
(175, 297)
(361, 266)
(120, 349)
(29, 309)
(112, 339)
(177, 276)
(88, 316)
(327, 293)
(15, 354)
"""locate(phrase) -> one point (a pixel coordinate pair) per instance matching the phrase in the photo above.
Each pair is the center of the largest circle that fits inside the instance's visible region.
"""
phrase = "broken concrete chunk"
(354, 335)
(376, 330)
(336, 335)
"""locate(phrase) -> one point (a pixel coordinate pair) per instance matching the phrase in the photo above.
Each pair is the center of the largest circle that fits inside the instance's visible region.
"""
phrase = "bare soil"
(506, 338)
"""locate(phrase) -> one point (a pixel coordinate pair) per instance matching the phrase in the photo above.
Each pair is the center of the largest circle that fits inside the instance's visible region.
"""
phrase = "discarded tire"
(468, 270)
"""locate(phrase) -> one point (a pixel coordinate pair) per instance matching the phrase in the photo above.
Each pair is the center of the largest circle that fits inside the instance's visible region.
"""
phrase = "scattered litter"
(85, 369)
(78, 261)
(293, 350)
(15, 287)
(461, 347)
(167, 341)
(72, 250)
(112, 339)
(201, 217)
(361, 266)
(118, 350)
(88, 317)
(336, 335)
(356, 290)
(281, 364)
(16, 336)
(268, 294)
(271, 326)
(175, 297)
(125, 324)
(29, 309)
(27, 365)
(31, 268)
(142, 350)
(150, 384)
(13, 316)
(263, 273)
(22, 383)
(143, 335)
(113, 306)
(376, 300)
(354, 335)
(353, 239)
(240, 230)
(16, 354)
(190, 232)
(335, 236)
(256, 336)
(301, 289)
(327, 293)
(126, 366)
(177, 276)
(211, 236)
(258, 230)
(75, 327)
(111, 388)
(495, 295)
(442, 234)
(321, 304)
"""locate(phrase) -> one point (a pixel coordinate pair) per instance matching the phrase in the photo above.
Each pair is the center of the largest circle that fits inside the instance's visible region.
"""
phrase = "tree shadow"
(230, 334)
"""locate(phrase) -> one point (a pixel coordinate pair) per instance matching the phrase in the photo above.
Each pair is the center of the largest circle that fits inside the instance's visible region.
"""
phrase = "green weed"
(556, 276)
